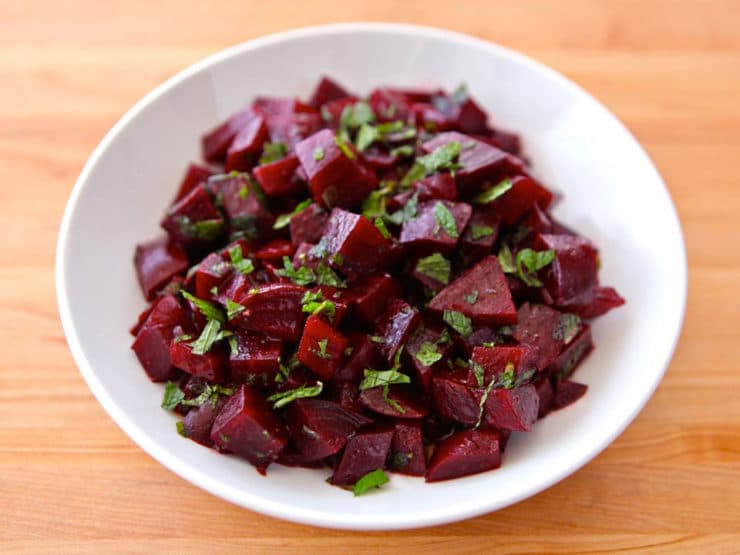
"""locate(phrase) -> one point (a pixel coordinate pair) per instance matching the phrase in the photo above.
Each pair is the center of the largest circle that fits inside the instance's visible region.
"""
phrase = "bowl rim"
(285, 511)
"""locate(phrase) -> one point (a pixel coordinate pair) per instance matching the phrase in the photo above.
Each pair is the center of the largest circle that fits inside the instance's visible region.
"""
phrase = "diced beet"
(198, 421)
(277, 178)
(507, 141)
(320, 428)
(194, 221)
(546, 395)
(156, 262)
(152, 343)
(379, 160)
(353, 243)
(243, 204)
(443, 347)
(369, 297)
(461, 111)
(140, 319)
(524, 194)
(427, 234)
(194, 176)
(246, 147)
(366, 451)
(275, 250)
(326, 90)
(364, 354)
(334, 178)
(280, 105)
(389, 105)
(494, 360)
(572, 276)
(486, 283)
(479, 236)
(407, 449)
(291, 456)
(539, 221)
(604, 299)
(428, 117)
(567, 393)
(211, 272)
(331, 111)
(322, 347)
(273, 310)
(308, 225)
(545, 329)
(480, 336)
(455, 401)
(291, 129)
(440, 186)
(463, 453)
(248, 427)
(512, 409)
(395, 326)
(347, 394)
(412, 407)
(256, 358)
(216, 142)
(305, 255)
(211, 366)
(569, 359)
(479, 160)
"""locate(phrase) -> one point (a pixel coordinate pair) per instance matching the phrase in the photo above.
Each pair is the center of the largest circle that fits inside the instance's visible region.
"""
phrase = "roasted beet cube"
(156, 263)
(243, 203)
(248, 427)
(256, 358)
(352, 243)
(216, 143)
(211, 272)
(274, 310)
(481, 293)
(512, 409)
(455, 401)
(278, 178)
(461, 111)
(152, 343)
(366, 451)
(308, 225)
(335, 179)
(407, 449)
(572, 276)
(291, 129)
(567, 393)
(463, 453)
(507, 141)
(322, 347)
(194, 176)
(364, 354)
(547, 396)
(194, 221)
(321, 428)
(326, 90)
(428, 350)
(305, 255)
(275, 250)
(401, 402)
(494, 361)
(389, 105)
(569, 359)
(369, 297)
(281, 105)
(198, 421)
(433, 229)
(246, 147)
(524, 194)
(440, 186)
(479, 236)
(395, 326)
(140, 319)
(211, 366)
(347, 394)
(604, 299)
(545, 329)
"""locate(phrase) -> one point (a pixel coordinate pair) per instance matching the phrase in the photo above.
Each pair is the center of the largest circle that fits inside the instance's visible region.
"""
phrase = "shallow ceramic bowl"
(612, 194)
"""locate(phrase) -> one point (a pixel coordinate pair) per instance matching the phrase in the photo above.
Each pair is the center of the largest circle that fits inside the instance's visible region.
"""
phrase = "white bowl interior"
(612, 194)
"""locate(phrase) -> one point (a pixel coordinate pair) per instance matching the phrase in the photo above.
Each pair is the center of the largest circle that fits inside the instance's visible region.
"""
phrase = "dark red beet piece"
(198, 421)
(320, 428)
(216, 142)
(512, 409)
(547, 396)
(494, 360)
(243, 204)
(440, 186)
(322, 347)
(572, 355)
(507, 141)
(463, 453)
(335, 179)
(291, 129)
(486, 282)
(274, 310)
(369, 297)
(211, 272)
(246, 147)
(136, 328)
(407, 450)
(326, 90)
(479, 236)
(428, 336)
(275, 250)
(352, 243)
(412, 407)
(194, 176)
(194, 221)
(395, 326)
(455, 401)
(546, 330)
(364, 354)
(256, 358)
(567, 393)
(426, 234)
(572, 276)
(308, 225)
(211, 366)
(248, 427)
(365, 452)
(389, 105)
(156, 263)
(604, 299)
(278, 178)
(524, 194)
(281, 105)
(461, 111)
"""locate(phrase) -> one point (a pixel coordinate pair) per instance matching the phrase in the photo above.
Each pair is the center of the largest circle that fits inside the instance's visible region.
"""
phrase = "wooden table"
(71, 481)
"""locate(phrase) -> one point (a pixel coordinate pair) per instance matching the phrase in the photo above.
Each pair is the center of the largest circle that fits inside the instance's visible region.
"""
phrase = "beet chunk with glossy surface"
(546, 330)
(247, 426)
(156, 263)
(433, 229)
(308, 225)
(572, 276)
(568, 392)
(395, 326)
(273, 309)
(322, 347)
(194, 221)
(211, 366)
(243, 203)
(216, 143)
(456, 401)
(246, 146)
(256, 358)
(407, 450)
(365, 452)
(512, 409)
(463, 453)
(401, 402)
(352, 243)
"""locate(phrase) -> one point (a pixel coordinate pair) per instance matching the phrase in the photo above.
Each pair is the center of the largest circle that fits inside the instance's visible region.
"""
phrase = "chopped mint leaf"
(327, 276)
(568, 328)
(233, 345)
(318, 153)
(483, 399)
(533, 261)
(323, 344)
(244, 192)
(233, 308)
(344, 147)
(208, 309)
(183, 337)
(377, 339)
(302, 276)
(440, 158)
(506, 379)
(283, 398)
(284, 219)
(369, 481)
(181, 429)
(408, 212)
(313, 303)
(272, 152)
(506, 259)
(356, 115)
(380, 224)
(458, 322)
(207, 230)
(242, 265)
(173, 396)
(207, 338)
(480, 231)
(489, 195)
(472, 298)
(403, 151)
(428, 354)
(382, 378)
(525, 377)
(460, 94)
(445, 220)
(435, 266)
(479, 373)
(366, 136)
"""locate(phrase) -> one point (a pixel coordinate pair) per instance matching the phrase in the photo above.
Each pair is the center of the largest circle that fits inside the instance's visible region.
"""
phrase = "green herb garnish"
(472, 298)
(386, 378)
(206, 230)
(242, 265)
(314, 303)
(532, 261)
(369, 481)
(344, 147)
(408, 212)
(318, 153)
(445, 220)
(440, 158)
(428, 354)
(380, 224)
(458, 322)
(302, 276)
(233, 308)
(207, 308)
(567, 328)
(480, 231)
(284, 397)
(174, 396)
(489, 195)
(435, 266)
(284, 219)
(272, 152)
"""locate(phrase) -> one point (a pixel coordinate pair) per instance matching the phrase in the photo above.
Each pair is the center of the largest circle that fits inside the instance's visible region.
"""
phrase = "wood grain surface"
(72, 482)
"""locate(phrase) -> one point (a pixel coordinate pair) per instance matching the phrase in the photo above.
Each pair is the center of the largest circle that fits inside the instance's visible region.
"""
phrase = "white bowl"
(613, 195)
